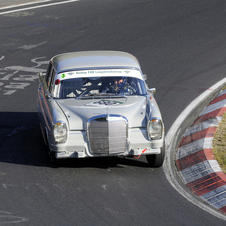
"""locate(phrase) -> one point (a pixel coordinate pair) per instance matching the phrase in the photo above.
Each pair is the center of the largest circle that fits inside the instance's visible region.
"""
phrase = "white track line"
(39, 6)
(23, 4)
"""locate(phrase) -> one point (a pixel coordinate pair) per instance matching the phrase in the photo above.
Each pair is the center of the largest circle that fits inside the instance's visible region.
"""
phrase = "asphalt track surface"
(181, 48)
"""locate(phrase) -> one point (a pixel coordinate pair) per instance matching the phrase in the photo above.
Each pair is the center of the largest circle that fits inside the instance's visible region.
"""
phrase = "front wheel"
(51, 154)
(158, 159)
(52, 157)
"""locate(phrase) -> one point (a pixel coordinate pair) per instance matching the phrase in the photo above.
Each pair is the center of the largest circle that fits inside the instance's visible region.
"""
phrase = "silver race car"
(96, 104)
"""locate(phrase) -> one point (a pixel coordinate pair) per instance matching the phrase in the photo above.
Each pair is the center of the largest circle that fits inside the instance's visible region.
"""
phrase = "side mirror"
(145, 77)
(41, 75)
(152, 91)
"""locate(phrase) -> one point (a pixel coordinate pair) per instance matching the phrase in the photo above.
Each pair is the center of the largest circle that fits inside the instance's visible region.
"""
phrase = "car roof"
(94, 60)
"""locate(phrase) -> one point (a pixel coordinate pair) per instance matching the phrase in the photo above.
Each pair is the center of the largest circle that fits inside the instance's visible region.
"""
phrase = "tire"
(52, 157)
(51, 154)
(158, 159)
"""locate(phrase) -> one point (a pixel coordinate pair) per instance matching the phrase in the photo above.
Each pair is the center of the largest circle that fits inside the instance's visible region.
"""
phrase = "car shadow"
(21, 142)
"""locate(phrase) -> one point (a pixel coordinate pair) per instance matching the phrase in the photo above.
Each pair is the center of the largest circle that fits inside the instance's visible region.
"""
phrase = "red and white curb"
(195, 161)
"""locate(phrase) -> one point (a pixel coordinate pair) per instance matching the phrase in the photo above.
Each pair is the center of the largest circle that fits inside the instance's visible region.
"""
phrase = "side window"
(52, 78)
(49, 74)
(48, 70)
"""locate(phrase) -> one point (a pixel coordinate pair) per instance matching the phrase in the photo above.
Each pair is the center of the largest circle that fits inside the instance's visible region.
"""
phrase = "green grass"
(219, 144)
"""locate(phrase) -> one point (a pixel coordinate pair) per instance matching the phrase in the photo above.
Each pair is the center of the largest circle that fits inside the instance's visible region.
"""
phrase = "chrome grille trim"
(107, 134)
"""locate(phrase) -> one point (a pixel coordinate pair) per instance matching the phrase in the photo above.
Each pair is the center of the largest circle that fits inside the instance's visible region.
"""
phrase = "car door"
(42, 86)
(45, 98)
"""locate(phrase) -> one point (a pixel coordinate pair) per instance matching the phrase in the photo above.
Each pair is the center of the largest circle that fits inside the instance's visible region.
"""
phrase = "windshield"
(99, 86)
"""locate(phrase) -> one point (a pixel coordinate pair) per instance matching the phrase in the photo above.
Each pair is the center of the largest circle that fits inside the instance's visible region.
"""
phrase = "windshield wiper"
(100, 94)
(121, 95)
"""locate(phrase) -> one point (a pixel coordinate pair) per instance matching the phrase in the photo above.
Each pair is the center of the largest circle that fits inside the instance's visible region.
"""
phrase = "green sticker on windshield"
(63, 76)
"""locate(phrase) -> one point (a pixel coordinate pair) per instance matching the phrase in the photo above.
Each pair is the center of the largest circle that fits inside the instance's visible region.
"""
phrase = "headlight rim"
(150, 136)
(64, 138)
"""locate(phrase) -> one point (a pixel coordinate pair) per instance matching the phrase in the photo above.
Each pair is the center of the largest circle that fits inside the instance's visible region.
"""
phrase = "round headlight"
(155, 129)
(60, 132)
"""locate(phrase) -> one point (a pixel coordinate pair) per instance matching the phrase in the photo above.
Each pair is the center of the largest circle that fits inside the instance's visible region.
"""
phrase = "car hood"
(79, 111)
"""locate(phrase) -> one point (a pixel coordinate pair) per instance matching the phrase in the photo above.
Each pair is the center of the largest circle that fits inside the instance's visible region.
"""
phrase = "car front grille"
(107, 134)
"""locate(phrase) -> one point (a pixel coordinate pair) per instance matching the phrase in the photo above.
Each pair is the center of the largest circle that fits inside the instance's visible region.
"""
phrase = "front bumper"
(77, 145)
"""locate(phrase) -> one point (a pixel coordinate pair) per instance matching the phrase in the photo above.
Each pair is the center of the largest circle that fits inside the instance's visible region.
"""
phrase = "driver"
(119, 85)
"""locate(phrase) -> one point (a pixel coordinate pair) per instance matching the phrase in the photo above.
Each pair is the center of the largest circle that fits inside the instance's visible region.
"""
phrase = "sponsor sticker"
(104, 103)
